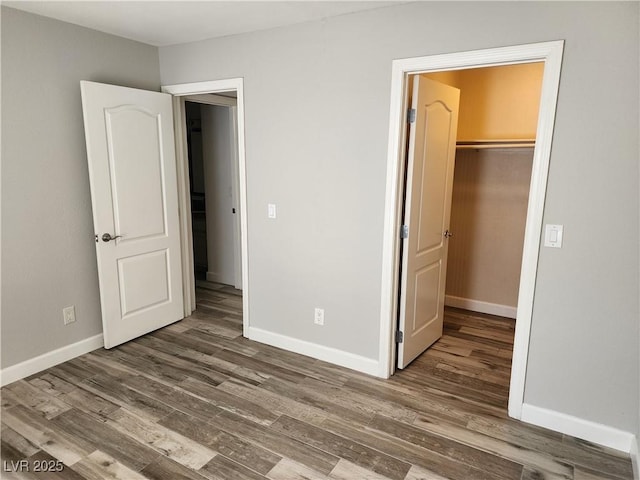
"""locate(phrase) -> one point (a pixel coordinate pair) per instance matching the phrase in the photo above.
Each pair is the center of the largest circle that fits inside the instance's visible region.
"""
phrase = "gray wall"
(48, 253)
(317, 118)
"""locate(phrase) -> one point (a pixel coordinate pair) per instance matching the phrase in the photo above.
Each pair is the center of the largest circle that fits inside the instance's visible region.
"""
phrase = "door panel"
(132, 173)
(434, 176)
(143, 281)
(425, 295)
(430, 162)
(136, 172)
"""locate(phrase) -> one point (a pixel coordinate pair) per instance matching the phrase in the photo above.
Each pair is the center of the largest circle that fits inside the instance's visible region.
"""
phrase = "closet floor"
(196, 400)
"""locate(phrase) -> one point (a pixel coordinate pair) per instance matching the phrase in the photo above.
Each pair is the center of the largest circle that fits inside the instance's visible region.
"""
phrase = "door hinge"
(399, 336)
(404, 231)
(411, 115)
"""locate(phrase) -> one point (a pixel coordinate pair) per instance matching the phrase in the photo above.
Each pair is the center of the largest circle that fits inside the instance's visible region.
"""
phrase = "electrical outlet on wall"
(318, 317)
(69, 314)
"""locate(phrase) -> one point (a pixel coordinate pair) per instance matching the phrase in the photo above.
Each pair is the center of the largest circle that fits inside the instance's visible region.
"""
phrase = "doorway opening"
(468, 328)
(494, 157)
(213, 183)
(550, 54)
(212, 188)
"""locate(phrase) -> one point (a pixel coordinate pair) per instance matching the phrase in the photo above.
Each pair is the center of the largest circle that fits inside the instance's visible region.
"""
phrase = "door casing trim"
(186, 235)
(551, 54)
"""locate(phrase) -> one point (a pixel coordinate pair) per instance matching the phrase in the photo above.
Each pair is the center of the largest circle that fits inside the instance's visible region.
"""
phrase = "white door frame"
(179, 91)
(551, 54)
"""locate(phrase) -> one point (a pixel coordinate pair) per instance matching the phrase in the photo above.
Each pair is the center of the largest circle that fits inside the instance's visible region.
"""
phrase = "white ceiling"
(163, 23)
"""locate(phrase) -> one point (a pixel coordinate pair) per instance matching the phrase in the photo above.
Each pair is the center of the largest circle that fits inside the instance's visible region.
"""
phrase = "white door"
(132, 172)
(431, 157)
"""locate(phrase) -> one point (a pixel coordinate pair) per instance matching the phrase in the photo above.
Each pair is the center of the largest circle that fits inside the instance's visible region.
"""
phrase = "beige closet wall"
(497, 102)
(491, 186)
(489, 208)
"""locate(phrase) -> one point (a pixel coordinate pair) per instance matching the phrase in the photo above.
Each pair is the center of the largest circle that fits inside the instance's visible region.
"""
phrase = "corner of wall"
(635, 458)
(604, 435)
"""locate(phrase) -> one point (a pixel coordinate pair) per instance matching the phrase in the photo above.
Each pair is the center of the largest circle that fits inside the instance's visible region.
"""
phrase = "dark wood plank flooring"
(196, 400)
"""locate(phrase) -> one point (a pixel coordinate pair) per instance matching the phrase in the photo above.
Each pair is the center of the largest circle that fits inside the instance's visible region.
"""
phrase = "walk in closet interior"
(495, 144)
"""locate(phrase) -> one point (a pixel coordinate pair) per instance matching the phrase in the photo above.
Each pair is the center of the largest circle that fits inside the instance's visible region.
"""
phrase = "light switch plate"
(271, 210)
(553, 236)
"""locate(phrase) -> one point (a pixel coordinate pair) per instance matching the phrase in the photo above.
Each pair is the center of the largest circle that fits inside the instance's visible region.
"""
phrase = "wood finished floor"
(197, 400)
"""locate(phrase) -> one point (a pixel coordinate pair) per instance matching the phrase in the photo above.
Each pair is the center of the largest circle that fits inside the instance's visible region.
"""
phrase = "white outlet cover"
(69, 314)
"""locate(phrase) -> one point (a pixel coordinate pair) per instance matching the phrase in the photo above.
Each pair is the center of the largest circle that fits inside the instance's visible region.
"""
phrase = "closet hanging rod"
(477, 144)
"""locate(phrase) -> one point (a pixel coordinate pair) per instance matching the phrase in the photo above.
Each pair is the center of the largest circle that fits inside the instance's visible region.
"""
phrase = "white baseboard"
(50, 359)
(578, 427)
(327, 354)
(635, 458)
(212, 277)
(218, 278)
(479, 306)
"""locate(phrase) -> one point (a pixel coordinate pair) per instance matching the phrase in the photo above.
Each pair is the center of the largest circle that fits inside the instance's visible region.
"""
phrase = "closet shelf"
(477, 144)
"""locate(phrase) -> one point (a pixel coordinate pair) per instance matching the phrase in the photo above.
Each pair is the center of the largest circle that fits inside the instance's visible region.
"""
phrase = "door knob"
(448, 234)
(107, 237)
